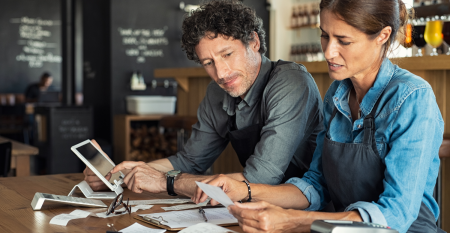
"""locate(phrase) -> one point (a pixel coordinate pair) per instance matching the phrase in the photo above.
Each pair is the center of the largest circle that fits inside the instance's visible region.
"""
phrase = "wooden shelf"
(122, 125)
(441, 62)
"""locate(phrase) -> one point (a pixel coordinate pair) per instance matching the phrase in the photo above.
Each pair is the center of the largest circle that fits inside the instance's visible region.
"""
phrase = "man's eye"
(228, 54)
(207, 64)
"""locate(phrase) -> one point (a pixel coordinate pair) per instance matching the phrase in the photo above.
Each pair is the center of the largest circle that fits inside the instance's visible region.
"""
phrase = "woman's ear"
(384, 35)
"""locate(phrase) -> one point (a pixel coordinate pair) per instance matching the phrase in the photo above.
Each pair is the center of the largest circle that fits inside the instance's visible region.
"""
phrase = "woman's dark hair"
(229, 18)
(371, 16)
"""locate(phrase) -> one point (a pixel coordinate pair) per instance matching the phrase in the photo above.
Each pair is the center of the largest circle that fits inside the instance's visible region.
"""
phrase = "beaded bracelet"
(249, 191)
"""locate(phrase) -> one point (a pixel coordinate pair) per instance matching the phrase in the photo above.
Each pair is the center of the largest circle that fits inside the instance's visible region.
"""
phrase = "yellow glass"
(433, 35)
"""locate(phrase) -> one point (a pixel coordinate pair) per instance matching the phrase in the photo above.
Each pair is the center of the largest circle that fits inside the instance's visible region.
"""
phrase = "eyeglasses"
(116, 203)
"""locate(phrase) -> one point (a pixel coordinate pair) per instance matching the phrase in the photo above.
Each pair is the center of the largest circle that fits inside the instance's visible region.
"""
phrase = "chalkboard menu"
(30, 41)
(146, 35)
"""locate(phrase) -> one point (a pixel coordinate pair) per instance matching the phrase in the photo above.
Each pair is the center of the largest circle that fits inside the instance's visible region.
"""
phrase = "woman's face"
(349, 52)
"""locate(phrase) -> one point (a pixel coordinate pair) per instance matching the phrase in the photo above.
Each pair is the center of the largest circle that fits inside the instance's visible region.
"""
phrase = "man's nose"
(222, 69)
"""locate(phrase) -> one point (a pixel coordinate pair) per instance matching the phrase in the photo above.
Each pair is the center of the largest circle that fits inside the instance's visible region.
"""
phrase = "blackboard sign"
(30, 41)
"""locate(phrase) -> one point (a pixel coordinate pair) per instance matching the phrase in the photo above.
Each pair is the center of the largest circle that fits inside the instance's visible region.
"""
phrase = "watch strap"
(170, 182)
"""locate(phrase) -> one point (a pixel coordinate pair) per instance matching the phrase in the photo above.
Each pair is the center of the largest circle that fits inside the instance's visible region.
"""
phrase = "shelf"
(432, 10)
(441, 62)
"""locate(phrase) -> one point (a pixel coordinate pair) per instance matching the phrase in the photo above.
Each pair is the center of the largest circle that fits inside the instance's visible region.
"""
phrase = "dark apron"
(355, 172)
(244, 140)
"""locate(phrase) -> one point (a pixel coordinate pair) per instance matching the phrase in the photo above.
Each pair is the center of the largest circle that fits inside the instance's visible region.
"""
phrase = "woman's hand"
(264, 217)
(236, 190)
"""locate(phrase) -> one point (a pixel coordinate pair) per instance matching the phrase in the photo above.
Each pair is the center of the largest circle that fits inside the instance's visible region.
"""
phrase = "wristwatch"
(170, 180)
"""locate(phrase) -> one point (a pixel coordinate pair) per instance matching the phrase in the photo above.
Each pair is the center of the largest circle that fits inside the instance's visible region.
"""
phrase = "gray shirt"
(290, 105)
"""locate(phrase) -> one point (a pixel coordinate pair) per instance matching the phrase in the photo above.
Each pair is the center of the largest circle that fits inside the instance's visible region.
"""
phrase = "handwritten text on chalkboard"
(139, 42)
(36, 41)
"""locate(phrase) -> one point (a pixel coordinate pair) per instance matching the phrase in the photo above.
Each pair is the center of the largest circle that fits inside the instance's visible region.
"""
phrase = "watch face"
(173, 173)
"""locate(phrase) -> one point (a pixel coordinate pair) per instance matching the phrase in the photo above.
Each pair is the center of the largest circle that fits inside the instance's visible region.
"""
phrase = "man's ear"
(255, 43)
(384, 35)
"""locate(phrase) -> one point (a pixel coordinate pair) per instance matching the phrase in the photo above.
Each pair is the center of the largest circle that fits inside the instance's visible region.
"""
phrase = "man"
(270, 112)
(33, 90)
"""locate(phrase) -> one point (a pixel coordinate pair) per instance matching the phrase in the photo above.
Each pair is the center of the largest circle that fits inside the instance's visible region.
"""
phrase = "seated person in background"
(377, 159)
(33, 90)
(269, 111)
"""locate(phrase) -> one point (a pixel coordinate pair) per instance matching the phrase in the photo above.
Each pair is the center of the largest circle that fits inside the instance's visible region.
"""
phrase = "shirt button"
(359, 126)
(336, 98)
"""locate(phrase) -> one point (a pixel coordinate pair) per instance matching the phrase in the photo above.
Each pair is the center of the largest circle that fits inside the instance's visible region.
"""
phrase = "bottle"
(312, 16)
(306, 18)
(294, 18)
(134, 81)
(300, 14)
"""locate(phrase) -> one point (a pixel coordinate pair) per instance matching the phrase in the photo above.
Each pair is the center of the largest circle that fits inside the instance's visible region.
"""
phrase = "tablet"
(98, 162)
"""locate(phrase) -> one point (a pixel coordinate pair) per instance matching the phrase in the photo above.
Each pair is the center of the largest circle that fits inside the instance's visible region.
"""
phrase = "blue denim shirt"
(409, 131)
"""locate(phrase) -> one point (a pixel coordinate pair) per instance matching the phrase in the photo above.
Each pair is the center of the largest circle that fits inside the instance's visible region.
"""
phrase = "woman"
(377, 159)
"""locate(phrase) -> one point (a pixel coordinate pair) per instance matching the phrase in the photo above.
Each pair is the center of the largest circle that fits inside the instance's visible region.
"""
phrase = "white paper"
(186, 218)
(186, 206)
(206, 227)
(159, 201)
(63, 219)
(138, 228)
(215, 193)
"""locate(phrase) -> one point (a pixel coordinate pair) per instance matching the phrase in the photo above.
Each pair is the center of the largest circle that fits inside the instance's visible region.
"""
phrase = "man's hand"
(142, 177)
(91, 178)
(264, 217)
(236, 190)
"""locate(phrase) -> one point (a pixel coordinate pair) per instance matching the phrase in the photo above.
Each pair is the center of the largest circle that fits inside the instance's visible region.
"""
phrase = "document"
(215, 193)
(138, 228)
(63, 219)
(186, 206)
(186, 218)
(159, 201)
(206, 227)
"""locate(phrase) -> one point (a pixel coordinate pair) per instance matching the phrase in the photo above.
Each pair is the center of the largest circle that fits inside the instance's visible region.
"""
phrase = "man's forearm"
(163, 165)
(185, 183)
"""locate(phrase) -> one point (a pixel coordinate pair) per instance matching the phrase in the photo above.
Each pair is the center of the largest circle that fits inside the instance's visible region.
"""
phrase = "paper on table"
(133, 209)
(63, 219)
(186, 218)
(186, 206)
(159, 201)
(215, 193)
(138, 228)
(206, 227)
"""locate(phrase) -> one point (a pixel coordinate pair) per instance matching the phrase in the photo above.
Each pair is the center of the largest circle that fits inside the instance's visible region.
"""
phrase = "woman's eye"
(344, 43)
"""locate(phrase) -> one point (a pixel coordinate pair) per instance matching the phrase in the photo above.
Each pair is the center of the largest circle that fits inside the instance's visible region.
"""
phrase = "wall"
(30, 38)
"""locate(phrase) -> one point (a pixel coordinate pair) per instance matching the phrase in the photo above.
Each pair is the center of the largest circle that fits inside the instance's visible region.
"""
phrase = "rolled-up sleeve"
(293, 104)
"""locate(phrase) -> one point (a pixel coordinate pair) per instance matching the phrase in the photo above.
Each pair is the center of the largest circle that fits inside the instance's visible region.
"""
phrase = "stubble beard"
(247, 82)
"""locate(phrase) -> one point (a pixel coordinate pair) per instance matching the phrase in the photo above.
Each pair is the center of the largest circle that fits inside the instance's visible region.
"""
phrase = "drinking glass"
(408, 43)
(433, 35)
(418, 35)
(446, 32)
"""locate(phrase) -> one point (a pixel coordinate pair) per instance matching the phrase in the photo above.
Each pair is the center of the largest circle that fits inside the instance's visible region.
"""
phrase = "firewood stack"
(148, 143)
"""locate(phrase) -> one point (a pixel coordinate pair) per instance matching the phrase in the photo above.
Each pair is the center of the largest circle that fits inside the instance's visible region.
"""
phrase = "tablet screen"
(100, 162)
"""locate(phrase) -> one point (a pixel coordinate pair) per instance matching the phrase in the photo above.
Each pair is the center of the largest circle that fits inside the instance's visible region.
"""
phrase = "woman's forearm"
(287, 196)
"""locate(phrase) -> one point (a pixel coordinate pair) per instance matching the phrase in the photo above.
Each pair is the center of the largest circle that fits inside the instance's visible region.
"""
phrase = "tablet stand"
(89, 193)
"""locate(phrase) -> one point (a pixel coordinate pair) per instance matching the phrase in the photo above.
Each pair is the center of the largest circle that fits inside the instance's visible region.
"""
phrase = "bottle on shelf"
(294, 18)
(312, 15)
(300, 14)
(306, 15)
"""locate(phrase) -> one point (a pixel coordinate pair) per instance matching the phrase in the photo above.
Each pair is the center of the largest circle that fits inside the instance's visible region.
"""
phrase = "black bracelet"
(249, 191)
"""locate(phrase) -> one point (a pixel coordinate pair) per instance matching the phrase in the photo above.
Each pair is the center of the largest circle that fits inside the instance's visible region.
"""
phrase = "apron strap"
(369, 128)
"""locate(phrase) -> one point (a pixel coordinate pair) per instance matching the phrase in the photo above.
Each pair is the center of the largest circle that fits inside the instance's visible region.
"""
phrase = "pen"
(200, 210)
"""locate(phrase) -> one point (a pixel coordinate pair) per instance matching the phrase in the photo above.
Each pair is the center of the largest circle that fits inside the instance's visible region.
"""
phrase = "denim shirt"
(409, 132)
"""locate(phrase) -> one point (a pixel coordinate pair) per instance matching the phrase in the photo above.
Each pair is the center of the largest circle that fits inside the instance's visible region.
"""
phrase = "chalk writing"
(139, 42)
(34, 34)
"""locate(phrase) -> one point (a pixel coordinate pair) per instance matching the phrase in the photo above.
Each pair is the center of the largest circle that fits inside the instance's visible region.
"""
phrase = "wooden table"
(20, 156)
(16, 214)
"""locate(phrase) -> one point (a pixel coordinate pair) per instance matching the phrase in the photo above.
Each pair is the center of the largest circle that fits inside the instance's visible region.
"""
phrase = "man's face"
(230, 63)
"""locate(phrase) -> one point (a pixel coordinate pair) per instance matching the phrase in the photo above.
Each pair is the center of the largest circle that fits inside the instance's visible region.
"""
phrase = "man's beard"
(246, 80)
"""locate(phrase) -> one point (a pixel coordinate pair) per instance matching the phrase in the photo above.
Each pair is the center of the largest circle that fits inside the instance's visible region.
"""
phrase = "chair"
(5, 158)
(444, 152)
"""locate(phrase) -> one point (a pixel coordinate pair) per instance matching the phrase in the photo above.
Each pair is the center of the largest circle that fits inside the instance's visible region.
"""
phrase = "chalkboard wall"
(30, 43)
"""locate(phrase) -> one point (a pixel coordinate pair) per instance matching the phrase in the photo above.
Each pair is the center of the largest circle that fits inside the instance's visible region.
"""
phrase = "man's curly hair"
(229, 18)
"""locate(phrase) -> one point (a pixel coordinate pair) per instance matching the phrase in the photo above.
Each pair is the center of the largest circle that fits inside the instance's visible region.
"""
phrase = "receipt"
(159, 201)
(63, 219)
(215, 193)
(206, 227)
